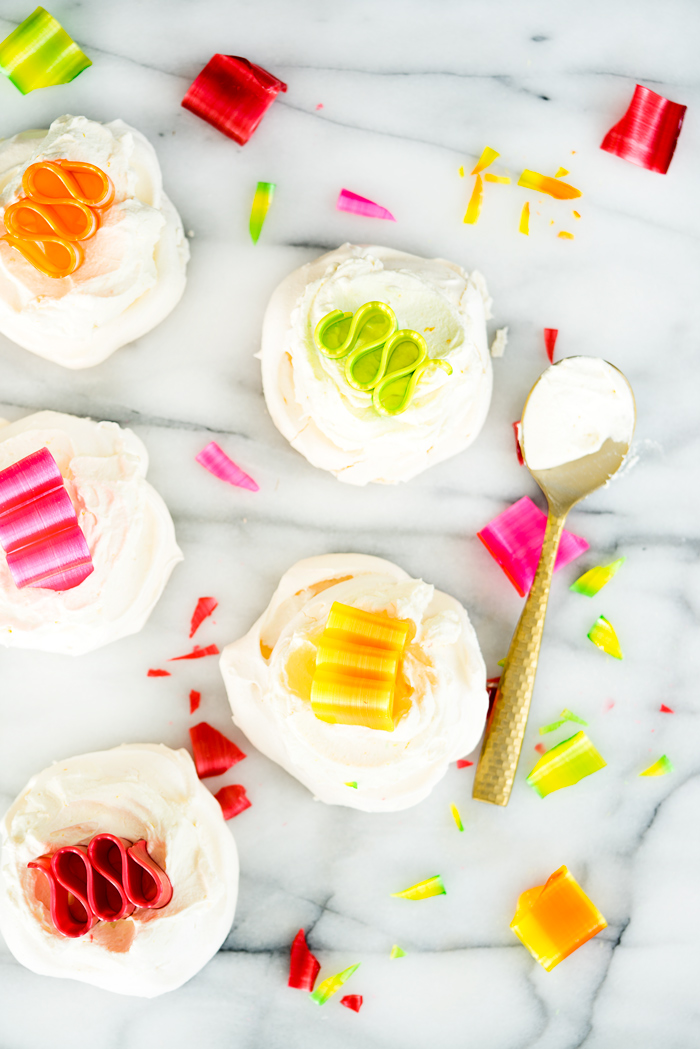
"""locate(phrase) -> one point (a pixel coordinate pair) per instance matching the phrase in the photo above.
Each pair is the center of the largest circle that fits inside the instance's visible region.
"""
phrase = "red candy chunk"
(214, 754)
(648, 132)
(303, 966)
(233, 800)
(232, 94)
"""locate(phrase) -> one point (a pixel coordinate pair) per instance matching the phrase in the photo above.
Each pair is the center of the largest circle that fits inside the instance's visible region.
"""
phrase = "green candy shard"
(456, 817)
(662, 767)
(327, 989)
(396, 952)
(565, 764)
(595, 579)
(39, 53)
(264, 193)
(422, 890)
(566, 715)
(352, 783)
(604, 637)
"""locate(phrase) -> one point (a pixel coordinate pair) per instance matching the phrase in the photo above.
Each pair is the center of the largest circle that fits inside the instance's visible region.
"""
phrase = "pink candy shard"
(348, 201)
(39, 529)
(205, 607)
(514, 540)
(217, 462)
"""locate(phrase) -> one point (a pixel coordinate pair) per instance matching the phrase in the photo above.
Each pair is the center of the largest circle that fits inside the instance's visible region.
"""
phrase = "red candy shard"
(550, 341)
(514, 540)
(352, 1001)
(214, 754)
(205, 607)
(517, 429)
(357, 205)
(540, 748)
(158, 673)
(39, 530)
(648, 132)
(197, 653)
(195, 700)
(233, 800)
(217, 462)
(232, 94)
(462, 764)
(303, 967)
(663, 709)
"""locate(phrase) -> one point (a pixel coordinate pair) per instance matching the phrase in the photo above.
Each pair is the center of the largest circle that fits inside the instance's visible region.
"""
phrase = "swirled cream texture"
(134, 269)
(126, 524)
(268, 677)
(335, 426)
(139, 791)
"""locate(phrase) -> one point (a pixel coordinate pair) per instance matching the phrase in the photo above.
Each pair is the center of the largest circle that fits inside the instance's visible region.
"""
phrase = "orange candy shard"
(62, 205)
(556, 918)
(553, 187)
(358, 660)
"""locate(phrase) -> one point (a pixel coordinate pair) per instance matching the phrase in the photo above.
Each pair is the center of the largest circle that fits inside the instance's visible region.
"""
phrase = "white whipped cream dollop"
(576, 406)
(335, 426)
(139, 791)
(134, 269)
(268, 676)
(126, 524)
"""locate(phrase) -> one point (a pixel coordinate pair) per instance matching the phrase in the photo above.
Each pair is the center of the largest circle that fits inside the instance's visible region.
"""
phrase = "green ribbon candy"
(39, 53)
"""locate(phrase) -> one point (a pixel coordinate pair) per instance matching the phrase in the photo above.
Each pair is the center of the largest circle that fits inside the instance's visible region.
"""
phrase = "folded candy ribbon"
(380, 359)
(62, 205)
(39, 53)
(105, 881)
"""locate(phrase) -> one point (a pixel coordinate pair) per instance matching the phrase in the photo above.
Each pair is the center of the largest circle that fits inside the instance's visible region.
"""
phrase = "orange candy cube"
(552, 920)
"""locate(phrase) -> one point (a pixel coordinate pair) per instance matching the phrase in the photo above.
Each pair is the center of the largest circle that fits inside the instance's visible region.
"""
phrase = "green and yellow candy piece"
(39, 53)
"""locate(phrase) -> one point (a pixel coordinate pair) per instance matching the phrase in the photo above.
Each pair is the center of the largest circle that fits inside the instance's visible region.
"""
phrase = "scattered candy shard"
(648, 132)
(565, 235)
(39, 530)
(540, 748)
(204, 608)
(561, 172)
(456, 817)
(396, 952)
(357, 205)
(195, 700)
(328, 987)
(358, 660)
(502, 179)
(514, 539)
(595, 578)
(352, 783)
(461, 171)
(550, 341)
(566, 764)
(475, 201)
(423, 890)
(216, 461)
(604, 637)
(551, 727)
(233, 800)
(352, 1001)
(232, 94)
(524, 226)
(39, 53)
(158, 673)
(500, 341)
(213, 752)
(576, 214)
(556, 918)
(553, 187)
(197, 653)
(663, 709)
(518, 431)
(485, 160)
(303, 966)
(566, 715)
(662, 767)
(262, 200)
(463, 764)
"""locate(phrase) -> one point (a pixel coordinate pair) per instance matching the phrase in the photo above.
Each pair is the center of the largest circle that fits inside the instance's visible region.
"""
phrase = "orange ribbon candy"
(63, 205)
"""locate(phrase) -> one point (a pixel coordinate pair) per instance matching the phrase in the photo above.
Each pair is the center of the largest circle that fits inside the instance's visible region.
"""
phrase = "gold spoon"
(563, 486)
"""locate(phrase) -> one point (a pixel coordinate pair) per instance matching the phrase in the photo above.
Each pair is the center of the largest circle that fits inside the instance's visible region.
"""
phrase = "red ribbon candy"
(648, 132)
(233, 95)
(105, 881)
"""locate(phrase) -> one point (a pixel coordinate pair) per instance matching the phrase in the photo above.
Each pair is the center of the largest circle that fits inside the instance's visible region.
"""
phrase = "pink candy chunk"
(514, 540)
(217, 462)
(348, 201)
(39, 529)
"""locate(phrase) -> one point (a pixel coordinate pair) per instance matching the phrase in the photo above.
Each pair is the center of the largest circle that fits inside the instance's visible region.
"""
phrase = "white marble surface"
(410, 91)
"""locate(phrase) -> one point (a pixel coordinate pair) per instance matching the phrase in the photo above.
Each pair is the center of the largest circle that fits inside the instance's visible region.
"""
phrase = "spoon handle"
(506, 728)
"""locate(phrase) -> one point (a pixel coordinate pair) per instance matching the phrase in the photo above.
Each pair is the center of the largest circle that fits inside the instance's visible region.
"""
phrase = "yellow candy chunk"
(358, 660)
(554, 919)
(369, 628)
(345, 699)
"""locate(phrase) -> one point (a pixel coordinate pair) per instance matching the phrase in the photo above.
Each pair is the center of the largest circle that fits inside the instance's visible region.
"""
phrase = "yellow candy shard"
(595, 578)
(423, 890)
(545, 184)
(456, 817)
(475, 202)
(396, 952)
(566, 764)
(554, 919)
(576, 214)
(565, 235)
(662, 767)
(503, 179)
(461, 172)
(485, 160)
(561, 172)
(524, 226)
(358, 661)
(604, 637)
